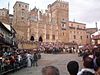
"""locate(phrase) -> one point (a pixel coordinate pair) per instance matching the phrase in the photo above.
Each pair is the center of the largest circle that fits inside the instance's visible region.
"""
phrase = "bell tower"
(20, 20)
(59, 11)
(59, 14)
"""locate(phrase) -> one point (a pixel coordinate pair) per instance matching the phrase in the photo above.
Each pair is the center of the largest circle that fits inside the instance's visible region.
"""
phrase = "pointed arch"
(40, 39)
(32, 38)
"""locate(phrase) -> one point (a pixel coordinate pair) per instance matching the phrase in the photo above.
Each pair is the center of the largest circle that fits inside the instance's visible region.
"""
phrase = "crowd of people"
(91, 65)
(56, 48)
(12, 60)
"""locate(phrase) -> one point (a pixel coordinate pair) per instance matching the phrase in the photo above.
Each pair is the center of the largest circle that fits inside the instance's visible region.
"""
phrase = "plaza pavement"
(58, 60)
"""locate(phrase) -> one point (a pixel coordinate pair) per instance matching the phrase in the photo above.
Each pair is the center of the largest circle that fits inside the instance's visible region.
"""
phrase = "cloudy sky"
(85, 11)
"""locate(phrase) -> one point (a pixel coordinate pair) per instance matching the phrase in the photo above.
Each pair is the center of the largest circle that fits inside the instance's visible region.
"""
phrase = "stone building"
(20, 20)
(77, 32)
(51, 26)
(90, 31)
(60, 16)
(4, 15)
(7, 37)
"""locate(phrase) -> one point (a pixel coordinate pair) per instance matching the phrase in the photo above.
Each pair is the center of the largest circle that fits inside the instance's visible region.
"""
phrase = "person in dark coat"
(35, 59)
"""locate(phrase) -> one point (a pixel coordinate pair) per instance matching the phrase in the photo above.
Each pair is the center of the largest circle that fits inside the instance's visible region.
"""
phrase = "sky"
(84, 11)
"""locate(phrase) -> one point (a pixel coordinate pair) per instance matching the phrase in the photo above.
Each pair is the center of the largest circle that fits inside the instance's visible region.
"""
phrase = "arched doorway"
(40, 39)
(32, 38)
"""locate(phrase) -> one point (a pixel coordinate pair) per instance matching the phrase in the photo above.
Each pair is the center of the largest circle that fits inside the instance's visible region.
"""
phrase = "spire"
(8, 7)
(96, 26)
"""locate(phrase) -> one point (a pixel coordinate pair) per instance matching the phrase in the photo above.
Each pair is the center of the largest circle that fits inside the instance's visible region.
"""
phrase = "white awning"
(7, 26)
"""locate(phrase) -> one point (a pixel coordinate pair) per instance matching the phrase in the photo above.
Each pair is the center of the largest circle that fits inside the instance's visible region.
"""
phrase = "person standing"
(88, 67)
(28, 55)
(35, 59)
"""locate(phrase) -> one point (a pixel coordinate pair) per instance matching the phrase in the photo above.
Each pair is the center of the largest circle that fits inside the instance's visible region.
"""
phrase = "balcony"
(8, 40)
(1, 40)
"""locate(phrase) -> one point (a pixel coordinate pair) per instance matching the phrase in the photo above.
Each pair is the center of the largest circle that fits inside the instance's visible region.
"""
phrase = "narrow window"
(74, 36)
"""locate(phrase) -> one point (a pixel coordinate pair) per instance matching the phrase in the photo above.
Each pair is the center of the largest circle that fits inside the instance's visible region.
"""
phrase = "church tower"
(20, 21)
(59, 15)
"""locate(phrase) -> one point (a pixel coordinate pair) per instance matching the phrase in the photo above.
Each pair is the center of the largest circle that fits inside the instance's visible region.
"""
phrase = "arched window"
(40, 39)
(32, 38)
